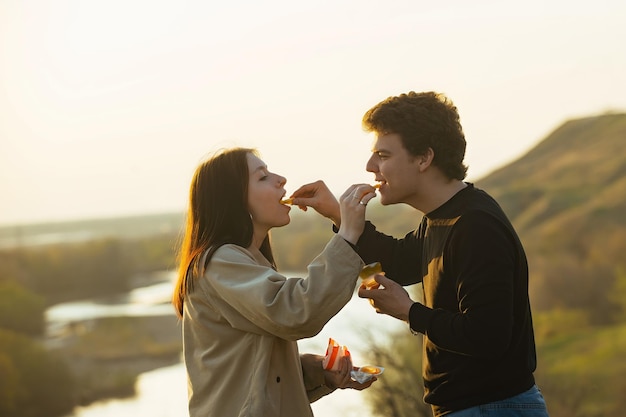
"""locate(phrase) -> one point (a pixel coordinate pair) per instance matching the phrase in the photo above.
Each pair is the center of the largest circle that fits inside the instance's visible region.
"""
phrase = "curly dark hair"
(423, 120)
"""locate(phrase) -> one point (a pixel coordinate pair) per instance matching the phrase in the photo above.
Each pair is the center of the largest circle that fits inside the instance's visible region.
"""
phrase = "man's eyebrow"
(374, 150)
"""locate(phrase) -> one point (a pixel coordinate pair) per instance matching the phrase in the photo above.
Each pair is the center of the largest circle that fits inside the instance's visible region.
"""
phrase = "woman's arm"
(255, 298)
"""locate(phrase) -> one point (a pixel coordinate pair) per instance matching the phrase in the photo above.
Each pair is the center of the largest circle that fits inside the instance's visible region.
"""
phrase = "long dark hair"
(217, 214)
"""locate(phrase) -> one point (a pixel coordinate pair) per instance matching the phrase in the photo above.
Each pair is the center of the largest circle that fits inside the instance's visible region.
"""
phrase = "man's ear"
(426, 159)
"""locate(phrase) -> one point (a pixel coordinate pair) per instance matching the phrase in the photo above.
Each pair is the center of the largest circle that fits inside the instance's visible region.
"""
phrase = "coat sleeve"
(256, 298)
(313, 375)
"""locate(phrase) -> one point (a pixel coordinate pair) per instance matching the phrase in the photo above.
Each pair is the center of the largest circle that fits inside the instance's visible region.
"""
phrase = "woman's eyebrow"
(260, 168)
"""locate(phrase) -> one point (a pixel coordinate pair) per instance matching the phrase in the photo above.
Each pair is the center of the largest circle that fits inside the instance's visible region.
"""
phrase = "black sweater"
(478, 336)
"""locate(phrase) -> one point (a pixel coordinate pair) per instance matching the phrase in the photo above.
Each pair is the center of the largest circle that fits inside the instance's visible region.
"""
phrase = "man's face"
(395, 168)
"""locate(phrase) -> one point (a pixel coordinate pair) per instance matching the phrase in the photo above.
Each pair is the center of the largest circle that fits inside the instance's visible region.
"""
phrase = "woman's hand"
(341, 378)
(348, 214)
(319, 197)
(352, 206)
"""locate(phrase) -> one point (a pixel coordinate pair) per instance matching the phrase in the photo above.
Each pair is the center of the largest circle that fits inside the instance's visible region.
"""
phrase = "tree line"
(36, 381)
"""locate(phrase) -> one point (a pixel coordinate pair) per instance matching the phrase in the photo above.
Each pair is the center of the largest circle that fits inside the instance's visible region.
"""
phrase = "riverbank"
(106, 355)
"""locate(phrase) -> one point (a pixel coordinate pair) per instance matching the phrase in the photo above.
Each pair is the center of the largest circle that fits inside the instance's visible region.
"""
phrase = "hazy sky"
(106, 107)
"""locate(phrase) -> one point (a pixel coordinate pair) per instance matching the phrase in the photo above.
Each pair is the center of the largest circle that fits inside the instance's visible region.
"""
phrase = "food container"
(367, 275)
(365, 373)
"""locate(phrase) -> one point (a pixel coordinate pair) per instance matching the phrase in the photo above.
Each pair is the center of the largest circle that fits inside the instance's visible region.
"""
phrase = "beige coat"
(241, 325)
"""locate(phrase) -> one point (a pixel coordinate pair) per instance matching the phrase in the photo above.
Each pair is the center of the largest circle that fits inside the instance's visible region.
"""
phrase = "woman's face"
(265, 190)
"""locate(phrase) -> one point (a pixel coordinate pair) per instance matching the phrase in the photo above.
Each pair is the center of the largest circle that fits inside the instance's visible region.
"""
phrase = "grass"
(582, 371)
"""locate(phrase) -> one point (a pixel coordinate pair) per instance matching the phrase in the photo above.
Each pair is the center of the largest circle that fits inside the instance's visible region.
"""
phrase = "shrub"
(21, 310)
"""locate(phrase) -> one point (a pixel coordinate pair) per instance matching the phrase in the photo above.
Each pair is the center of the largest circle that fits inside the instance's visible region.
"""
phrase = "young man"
(479, 348)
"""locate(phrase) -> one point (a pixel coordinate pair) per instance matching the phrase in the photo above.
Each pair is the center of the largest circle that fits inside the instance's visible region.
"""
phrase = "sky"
(107, 107)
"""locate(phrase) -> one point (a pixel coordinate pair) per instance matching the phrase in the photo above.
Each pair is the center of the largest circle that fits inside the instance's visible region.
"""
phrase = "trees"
(33, 382)
(37, 382)
(400, 391)
(68, 271)
(20, 310)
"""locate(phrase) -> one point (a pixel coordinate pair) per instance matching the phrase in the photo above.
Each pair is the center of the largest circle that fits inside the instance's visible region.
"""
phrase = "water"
(163, 392)
(152, 300)
(160, 393)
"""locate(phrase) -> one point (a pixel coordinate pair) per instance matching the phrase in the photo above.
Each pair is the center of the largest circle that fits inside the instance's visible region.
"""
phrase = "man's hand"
(390, 298)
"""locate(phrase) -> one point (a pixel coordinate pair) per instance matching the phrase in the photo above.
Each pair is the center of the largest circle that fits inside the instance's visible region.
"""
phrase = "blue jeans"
(526, 404)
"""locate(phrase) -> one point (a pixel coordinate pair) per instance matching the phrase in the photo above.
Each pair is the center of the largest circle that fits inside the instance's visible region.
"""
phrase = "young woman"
(241, 318)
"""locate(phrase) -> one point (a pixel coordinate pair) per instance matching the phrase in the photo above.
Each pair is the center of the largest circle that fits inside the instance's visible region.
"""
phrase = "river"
(163, 392)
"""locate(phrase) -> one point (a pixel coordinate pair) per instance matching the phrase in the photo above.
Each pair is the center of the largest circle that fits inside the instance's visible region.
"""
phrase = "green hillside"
(581, 371)
(576, 174)
(567, 199)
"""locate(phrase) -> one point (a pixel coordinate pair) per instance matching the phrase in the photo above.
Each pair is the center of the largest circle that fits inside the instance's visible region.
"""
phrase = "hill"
(567, 198)
(576, 173)
(581, 371)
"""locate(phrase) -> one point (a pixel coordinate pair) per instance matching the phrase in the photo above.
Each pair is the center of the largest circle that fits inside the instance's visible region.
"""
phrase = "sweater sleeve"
(257, 299)
(400, 258)
(480, 258)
